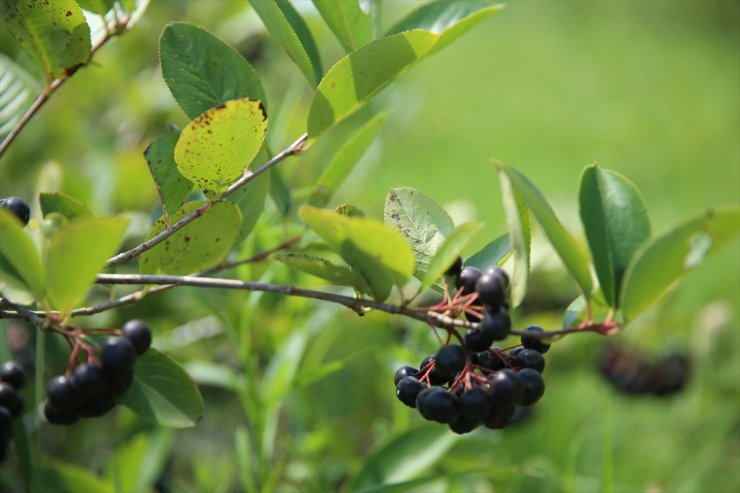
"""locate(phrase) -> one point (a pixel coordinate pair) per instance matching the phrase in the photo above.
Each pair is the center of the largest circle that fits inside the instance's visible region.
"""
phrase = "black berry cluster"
(634, 374)
(490, 285)
(89, 390)
(12, 380)
(18, 207)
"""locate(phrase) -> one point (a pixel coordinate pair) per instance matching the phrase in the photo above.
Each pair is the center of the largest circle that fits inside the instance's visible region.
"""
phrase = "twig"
(294, 148)
(42, 98)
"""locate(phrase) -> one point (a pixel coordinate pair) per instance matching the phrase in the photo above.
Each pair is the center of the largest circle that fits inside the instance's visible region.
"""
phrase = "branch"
(294, 148)
(42, 98)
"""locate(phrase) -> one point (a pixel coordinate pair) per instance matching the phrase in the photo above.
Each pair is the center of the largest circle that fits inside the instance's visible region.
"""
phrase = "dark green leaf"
(18, 250)
(163, 392)
(54, 33)
(279, 191)
(344, 160)
(665, 259)
(352, 27)
(616, 224)
(319, 267)
(421, 221)
(447, 253)
(520, 236)
(173, 188)
(63, 204)
(202, 71)
(494, 253)
(198, 245)
(251, 201)
(289, 28)
(17, 90)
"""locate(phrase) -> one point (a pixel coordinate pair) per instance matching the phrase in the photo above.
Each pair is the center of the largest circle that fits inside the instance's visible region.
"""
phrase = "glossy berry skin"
(497, 271)
(493, 360)
(451, 359)
(455, 268)
(436, 376)
(57, 416)
(404, 371)
(467, 278)
(462, 424)
(138, 334)
(436, 404)
(12, 373)
(98, 407)
(529, 358)
(62, 393)
(90, 381)
(507, 387)
(499, 416)
(478, 340)
(119, 383)
(491, 289)
(475, 403)
(18, 207)
(408, 389)
(10, 400)
(117, 355)
(534, 342)
(496, 324)
(534, 386)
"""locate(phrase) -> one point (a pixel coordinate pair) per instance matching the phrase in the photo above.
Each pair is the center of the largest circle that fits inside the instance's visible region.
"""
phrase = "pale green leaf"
(19, 260)
(520, 237)
(100, 7)
(61, 477)
(352, 27)
(66, 205)
(172, 187)
(319, 267)
(349, 210)
(17, 90)
(448, 252)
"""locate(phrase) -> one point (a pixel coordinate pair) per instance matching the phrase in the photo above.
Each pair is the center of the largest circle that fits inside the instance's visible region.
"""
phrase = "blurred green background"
(649, 89)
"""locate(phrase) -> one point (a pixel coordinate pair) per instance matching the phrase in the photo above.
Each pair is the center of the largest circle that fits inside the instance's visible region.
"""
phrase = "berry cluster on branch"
(12, 379)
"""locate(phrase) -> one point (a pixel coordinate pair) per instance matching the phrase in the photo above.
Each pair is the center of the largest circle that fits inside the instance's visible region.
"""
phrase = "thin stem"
(294, 148)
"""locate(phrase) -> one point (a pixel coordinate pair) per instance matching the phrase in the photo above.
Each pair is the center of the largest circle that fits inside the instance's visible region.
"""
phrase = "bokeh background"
(649, 89)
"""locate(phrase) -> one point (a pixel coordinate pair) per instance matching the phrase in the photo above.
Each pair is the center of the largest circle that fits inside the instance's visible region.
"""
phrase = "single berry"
(407, 389)
(118, 383)
(438, 405)
(478, 340)
(529, 358)
(18, 207)
(90, 381)
(62, 393)
(495, 359)
(491, 289)
(5, 418)
(117, 355)
(499, 415)
(534, 386)
(462, 424)
(467, 278)
(12, 373)
(475, 403)
(138, 334)
(57, 416)
(450, 359)
(496, 324)
(535, 342)
(436, 376)
(404, 371)
(97, 407)
(10, 400)
(506, 386)
(455, 268)
(497, 271)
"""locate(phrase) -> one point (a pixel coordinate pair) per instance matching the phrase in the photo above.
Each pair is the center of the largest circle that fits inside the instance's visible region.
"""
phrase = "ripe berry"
(12, 373)
(90, 381)
(497, 324)
(118, 383)
(10, 400)
(534, 386)
(534, 342)
(97, 407)
(475, 403)
(467, 278)
(455, 268)
(497, 271)
(404, 371)
(138, 334)
(407, 389)
(462, 424)
(4, 421)
(529, 358)
(117, 355)
(18, 207)
(62, 393)
(436, 376)
(450, 359)
(478, 340)
(494, 359)
(57, 416)
(499, 415)
(436, 404)
(491, 288)
(507, 386)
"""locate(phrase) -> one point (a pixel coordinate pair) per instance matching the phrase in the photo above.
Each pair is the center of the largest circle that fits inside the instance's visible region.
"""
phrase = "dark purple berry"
(497, 271)
(57, 416)
(404, 371)
(438, 405)
(506, 387)
(117, 355)
(18, 207)
(62, 393)
(455, 268)
(478, 340)
(436, 376)
(12, 373)
(407, 390)
(499, 415)
(494, 359)
(534, 386)
(491, 289)
(529, 358)
(496, 324)
(138, 334)
(10, 400)
(535, 342)
(450, 359)
(467, 278)
(474, 403)
(98, 407)
(5, 418)
(462, 424)
(90, 381)
(119, 383)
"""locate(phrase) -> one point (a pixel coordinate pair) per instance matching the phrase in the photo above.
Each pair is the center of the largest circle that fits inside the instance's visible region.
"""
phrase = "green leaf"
(448, 252)
(421, 221)
(319, 267)
(344, 160)
(616, 224)
(361, 74)
(449, 18)
(377, 252)
(68, 478)
(289, 28)
(66, 205)
(162, 392)
(665, 259)
(570, 251)
(520, 236)
(202, 71)
(198, 245)
(279, 191)
(54, 33)
(576, 312)
(406, 456)
(251, 201)
(216, 148)
(349, 210)
(213, 374)
(100, 7)
(494, 253)
(18, 250)
(352, 27)
(173, 188)
(17, 90)
(75, 255)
